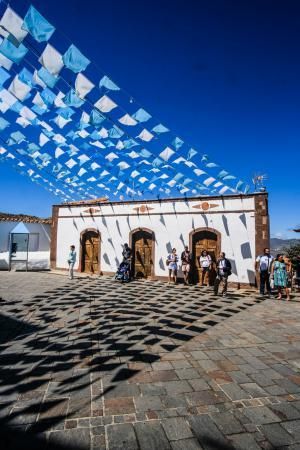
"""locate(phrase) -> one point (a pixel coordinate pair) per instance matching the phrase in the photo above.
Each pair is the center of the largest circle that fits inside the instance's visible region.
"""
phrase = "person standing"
(172, 261)
(279, 273)
(126, 253)
(205, 264)
(289, 271)
(297, 271)
(223, 272)
(186, 259)
(71, 261)
(263, 265)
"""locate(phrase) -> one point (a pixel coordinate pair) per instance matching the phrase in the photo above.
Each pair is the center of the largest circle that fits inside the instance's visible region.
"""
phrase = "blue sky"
(223, 75)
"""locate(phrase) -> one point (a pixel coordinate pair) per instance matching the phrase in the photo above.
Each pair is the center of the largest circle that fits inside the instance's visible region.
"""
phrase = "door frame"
(86, 230)
(211, 230)
(131, 241)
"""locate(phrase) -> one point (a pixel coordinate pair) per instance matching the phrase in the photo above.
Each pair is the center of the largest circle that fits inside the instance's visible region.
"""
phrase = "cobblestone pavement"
(93, 364)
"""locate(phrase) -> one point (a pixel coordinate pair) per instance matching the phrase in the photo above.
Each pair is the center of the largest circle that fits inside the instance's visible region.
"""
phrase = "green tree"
(292, 252)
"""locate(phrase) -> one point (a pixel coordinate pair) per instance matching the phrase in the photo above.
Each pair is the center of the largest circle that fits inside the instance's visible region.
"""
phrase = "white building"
(24, 242)
(237, 225)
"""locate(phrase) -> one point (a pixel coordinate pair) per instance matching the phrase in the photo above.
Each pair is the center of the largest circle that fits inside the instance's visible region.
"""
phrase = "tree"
(292, 252)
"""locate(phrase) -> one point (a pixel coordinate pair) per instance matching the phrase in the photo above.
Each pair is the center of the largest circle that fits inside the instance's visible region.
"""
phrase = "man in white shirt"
(263, 265)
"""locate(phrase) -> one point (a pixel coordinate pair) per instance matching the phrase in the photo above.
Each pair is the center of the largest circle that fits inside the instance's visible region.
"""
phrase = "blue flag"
(15, 54)
(158, 129)
(47, 77)
(3, 76)
(141, 115)
(108, 84)
(75, 60)
(37, 25)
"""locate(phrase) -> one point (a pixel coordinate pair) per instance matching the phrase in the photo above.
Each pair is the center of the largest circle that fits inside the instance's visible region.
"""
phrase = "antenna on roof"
(258, 181)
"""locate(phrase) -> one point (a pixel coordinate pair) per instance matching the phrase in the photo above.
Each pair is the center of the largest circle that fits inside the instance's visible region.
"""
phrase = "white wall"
(38, 259)
(171, 223)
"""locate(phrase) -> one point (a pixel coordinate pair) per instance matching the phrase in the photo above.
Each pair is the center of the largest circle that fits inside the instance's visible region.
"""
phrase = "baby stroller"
(123, 272)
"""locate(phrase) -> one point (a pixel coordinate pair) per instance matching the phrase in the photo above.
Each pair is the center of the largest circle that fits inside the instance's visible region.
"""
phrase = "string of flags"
(79, 134)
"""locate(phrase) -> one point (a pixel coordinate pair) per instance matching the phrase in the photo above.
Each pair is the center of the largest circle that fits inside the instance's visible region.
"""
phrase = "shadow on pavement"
(63, 350)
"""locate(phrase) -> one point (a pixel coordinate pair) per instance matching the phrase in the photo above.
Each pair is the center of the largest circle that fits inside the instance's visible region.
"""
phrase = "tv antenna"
(258, 181)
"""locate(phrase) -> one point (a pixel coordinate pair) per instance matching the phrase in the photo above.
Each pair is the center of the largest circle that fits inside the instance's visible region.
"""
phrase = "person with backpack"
(263, 265)
(223, 272)
(205, 264)
(186, 259)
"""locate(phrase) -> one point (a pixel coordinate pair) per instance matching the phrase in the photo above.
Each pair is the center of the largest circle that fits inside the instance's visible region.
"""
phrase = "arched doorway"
(90, 251)
(142, 243)
(204, 239)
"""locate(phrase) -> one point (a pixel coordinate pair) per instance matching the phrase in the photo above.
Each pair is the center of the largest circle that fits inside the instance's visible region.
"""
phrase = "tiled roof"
(87, 202)
(6, 217)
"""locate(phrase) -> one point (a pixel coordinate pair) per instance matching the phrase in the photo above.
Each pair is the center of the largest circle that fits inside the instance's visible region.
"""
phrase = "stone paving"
(93, 364)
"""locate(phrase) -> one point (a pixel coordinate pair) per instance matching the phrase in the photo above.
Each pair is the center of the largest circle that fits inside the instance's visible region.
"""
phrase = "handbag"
(167, 262)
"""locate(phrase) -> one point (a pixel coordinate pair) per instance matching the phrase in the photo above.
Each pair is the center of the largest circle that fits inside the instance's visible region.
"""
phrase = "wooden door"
(204, 240)
(90, 252)
(142, 254)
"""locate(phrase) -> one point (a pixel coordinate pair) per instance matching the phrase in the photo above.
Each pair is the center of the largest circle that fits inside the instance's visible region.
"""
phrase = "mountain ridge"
(278, 244)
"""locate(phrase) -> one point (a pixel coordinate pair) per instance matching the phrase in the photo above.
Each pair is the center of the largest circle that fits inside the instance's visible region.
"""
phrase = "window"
(19, 245)
(33, 242)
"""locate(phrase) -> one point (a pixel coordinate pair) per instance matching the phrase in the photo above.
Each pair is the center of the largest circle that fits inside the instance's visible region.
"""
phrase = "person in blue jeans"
(71, 261)
(172, 261)
(223, 272)
(263, 265)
